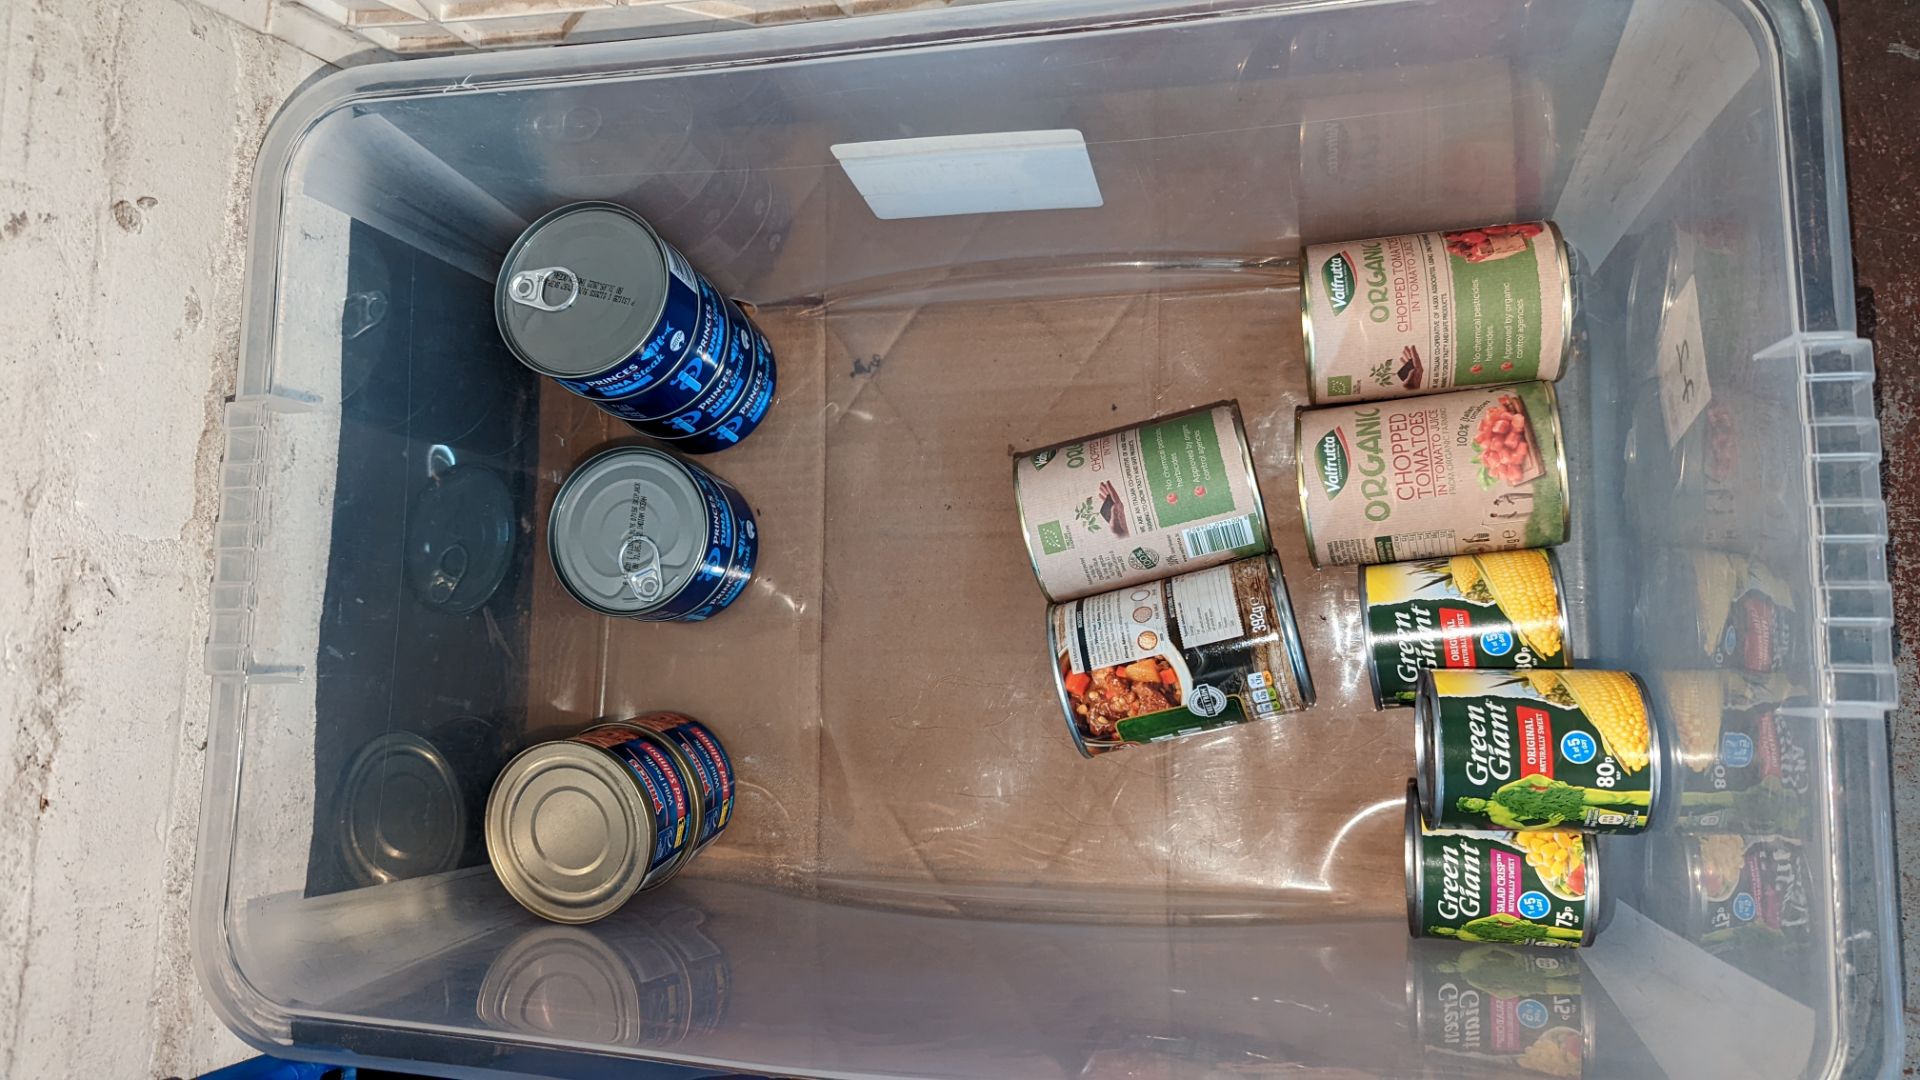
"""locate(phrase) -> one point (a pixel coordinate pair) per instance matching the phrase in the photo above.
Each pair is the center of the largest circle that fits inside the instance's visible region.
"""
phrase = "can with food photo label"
(1571, 749)
(639, 534)
(1155, 661)
(1501, 610)
(1518, 888)
(1728, 892)
(625, 820)
(1743, 760)
(593, 298)
(1422, 478)
(1505, 1006)
(1140, 503)
(1423, 313)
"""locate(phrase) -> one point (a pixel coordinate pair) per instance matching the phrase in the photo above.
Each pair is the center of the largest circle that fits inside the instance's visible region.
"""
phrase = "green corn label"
(1508, 756)
(1483, 887)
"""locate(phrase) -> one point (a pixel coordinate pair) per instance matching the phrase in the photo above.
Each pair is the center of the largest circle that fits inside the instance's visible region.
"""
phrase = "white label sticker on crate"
(1684, 390)
(985, 173)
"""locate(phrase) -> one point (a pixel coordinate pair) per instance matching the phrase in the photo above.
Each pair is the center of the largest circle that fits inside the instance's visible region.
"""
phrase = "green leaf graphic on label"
(1337, 274)
(1186, 471)
(1330, 457)
(1053, 538)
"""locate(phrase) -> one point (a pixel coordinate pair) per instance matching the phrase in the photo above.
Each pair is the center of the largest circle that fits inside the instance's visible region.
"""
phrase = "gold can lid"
(569, 832)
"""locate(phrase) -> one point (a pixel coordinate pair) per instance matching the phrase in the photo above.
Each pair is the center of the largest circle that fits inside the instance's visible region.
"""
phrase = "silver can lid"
(401, 813)
(581, 290)
(628, 530)
(1289, 628)
(568, 832)
(1416, 893)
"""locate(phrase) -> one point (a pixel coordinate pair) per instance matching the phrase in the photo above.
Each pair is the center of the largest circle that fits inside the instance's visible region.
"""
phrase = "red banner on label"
(1457, 623)
(1766, 749)
(1535, 741)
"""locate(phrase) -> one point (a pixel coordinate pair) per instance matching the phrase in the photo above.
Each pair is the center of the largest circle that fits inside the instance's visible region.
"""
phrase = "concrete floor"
(127, 134)
(127, 130)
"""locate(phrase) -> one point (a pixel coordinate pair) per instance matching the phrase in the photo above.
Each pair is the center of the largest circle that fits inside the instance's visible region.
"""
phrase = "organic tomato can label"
(1422, 478)
(1498, 886)
(1140, 503)
(1423, 313)
(1498, 610)
(1204, 650)
(1513, 1008)
(1544, 749)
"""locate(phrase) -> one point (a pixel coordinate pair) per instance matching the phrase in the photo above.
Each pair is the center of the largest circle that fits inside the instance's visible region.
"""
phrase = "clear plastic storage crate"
(1080, 213)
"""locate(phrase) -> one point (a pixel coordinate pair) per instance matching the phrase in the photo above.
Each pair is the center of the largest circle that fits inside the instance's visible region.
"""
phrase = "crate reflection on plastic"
(1744, 759)
(648, 979)
(1503, 1006)
(408, 803)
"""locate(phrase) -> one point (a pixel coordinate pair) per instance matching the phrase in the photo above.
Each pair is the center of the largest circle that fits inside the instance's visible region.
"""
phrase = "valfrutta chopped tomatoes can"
(1424, 313)
(1422, 478)
(1140, 503)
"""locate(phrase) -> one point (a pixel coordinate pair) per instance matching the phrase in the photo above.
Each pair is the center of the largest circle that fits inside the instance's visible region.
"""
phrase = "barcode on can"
(678, 267)
(1219, 536)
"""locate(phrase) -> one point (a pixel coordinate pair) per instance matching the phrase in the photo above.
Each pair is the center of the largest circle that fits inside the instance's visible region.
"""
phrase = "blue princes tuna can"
(695, 432)
(637, 533)
(593, 298)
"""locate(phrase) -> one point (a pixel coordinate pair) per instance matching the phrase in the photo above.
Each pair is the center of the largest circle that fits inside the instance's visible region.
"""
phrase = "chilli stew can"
(1140, 503)
(1155, 661)
(1516, 888)
(1569, 749)
(1429, 312)
(593, 298)
(1501, 610)
(637, 533)
(1420, 478)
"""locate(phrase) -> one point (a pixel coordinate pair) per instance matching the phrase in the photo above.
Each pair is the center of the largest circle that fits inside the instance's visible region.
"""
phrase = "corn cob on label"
(1204, 650)
(1759, 776)
(1416, 314)
(1452, 474)
(1501, 610)
(1141, 503)
(1749, 892)
(1538, 750)
(1494, 887)
(1507, 1006)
